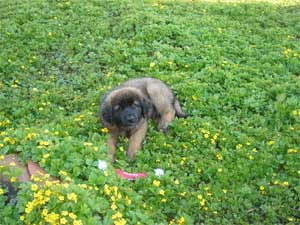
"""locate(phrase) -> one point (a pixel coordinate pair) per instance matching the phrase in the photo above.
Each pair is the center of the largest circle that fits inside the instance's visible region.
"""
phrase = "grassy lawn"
(234, 66)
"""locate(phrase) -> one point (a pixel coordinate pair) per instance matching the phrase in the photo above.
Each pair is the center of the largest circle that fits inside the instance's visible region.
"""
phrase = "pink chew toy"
(130, 176)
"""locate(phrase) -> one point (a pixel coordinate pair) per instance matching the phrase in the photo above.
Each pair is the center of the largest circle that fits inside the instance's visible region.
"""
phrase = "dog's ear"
(146, 107)
(107, 113)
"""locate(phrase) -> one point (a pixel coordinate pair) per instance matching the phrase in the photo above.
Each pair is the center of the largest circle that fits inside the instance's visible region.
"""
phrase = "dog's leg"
(112, 142)
(166, 119)
(161, 98)
(136, 140)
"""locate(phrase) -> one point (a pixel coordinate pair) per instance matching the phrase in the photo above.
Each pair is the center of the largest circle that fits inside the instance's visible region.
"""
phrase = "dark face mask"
(128, 115)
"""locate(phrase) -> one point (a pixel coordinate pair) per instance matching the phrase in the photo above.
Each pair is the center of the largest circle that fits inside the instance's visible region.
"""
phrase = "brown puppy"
(124, 110)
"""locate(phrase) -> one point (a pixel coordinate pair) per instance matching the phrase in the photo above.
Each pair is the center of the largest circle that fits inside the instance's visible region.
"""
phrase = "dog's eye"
(136, 103)
(116, 107)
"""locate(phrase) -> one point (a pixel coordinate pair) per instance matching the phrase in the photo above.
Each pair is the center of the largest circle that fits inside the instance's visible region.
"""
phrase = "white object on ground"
(102, 165)
(159, 172)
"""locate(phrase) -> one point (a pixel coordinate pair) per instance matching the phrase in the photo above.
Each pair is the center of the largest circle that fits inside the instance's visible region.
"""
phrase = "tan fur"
(163, 108)
(136, 140)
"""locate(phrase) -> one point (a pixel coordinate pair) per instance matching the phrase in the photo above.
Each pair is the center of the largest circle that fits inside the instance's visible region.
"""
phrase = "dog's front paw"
(165, 130)
(130, 155)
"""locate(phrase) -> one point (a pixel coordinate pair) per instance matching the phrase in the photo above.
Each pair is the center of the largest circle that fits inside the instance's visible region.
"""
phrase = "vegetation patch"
(235, 68)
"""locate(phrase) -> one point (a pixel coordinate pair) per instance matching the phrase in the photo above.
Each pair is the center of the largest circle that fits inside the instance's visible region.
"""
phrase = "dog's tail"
(179, 112)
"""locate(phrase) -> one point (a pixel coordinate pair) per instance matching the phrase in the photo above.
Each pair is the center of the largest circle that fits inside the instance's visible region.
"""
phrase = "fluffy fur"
(124, 110)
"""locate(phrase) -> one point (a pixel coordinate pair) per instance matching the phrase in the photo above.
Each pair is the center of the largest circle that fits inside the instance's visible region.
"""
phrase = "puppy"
(124, 110)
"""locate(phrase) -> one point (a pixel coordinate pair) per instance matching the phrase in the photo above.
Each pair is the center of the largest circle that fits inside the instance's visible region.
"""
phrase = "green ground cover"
(234, 66)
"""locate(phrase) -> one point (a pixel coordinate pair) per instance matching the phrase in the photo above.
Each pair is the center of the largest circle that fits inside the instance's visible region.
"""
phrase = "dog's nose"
(130, 118)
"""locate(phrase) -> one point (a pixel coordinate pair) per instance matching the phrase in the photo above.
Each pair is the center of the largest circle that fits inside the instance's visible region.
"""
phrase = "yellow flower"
(181, 221)
(22, 218)
(183, 194)
(225, 191)
(292, 150)
(45, 212)
(287, 51)
(239, 146)
(164, 200)
(285, 184)
(194, 97)
(212, 141)
(176, 181)
(72, 216)
(209, 194)
(156, 183)
(34, 187)
(202, 202)
(62, 173)
(48, 192)
(215, 137)
(83, 185)
(262, 188)
(52, 218)
(270, 142)
(45, 156)
(220, 170)
(61, 198)
(120, 222)
(87, 144)
(117, 215)
(1, 191)
(63, 220)
(12, 164)
(128, 201)
(43, 143)
(104, 130)
(206, 135)
(219, 157)
(13, 179)
(106, 189)
(113, 206)
(161, 192)
(172, 222)
(64, 213)
(115, 189)
(30, 136)
(152, 65)
(29, 207)
(3, 133)
(112, 198)
(77, 119)
(77, 222)
(72, 196)
(251, 157)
